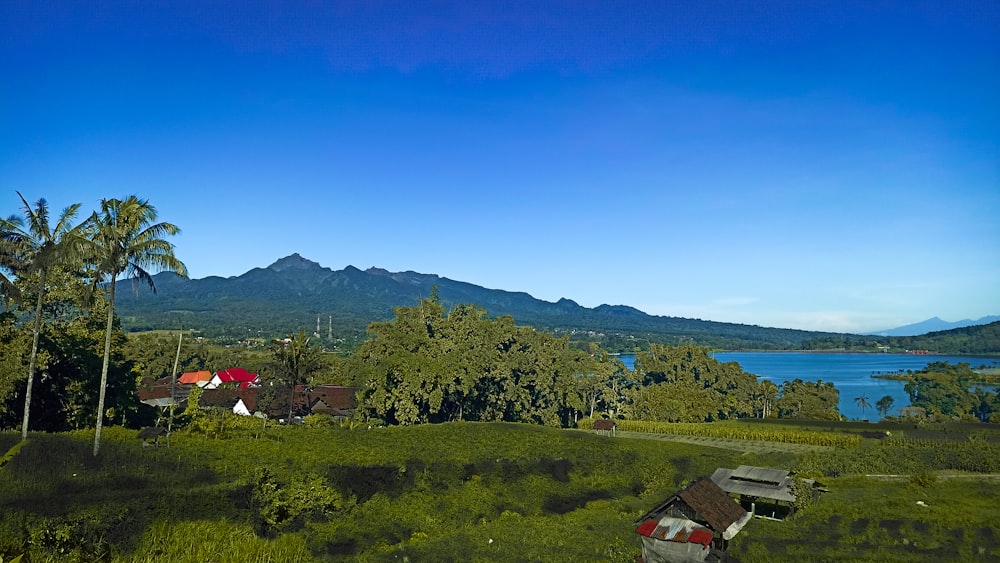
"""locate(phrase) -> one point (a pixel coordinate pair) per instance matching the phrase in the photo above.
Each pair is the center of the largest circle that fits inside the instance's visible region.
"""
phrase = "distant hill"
(934, 324)
(971, 340)
(292, 293)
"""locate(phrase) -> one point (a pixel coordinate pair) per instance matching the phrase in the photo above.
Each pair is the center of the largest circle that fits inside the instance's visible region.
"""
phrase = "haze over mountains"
(294, 293)
(934, 324)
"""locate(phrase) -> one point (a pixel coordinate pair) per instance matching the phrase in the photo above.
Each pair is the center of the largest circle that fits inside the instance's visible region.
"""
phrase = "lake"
(849, 373)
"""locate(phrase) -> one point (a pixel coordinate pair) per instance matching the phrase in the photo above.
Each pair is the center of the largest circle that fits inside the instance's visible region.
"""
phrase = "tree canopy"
(428, 366)
(685, 384)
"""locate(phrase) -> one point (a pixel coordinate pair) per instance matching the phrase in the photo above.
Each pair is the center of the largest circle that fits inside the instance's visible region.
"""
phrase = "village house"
(239, 391)
(158, 393)
(199, 378)
(233, 376)
(693, 525)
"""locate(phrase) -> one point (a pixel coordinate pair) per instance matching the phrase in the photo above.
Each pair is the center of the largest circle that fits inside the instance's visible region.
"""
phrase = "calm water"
(849, 373)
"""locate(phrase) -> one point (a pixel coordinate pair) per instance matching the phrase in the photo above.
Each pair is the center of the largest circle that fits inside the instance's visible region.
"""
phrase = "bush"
(279, 506)
(924, 479)
(320, 421)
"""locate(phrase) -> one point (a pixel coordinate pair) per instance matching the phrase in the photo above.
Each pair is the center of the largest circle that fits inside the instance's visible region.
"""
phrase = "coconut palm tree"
(294, 361)
(37, 247)
(862, 402)
(126, 239)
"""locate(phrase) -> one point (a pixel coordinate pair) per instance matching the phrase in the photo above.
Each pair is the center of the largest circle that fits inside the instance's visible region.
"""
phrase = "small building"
(151, 433)
(694, 524)
(158, 393)
(762, 490)
(242, 400)
(605, 426)
(333, 400)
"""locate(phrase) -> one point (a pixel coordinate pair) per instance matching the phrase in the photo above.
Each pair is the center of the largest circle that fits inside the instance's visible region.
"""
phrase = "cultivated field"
(471, 492)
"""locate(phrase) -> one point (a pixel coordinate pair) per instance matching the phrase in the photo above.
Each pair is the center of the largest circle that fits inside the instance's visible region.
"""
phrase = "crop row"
(709, 430)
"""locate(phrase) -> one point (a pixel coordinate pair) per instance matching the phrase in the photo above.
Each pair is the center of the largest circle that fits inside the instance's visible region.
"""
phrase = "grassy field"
(467, 492)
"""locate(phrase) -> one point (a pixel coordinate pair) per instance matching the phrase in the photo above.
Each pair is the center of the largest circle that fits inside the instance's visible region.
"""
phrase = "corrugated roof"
(228, 398)
(237, 375)
(760, 474)
(669, 528)
(761, 482)
(712, 504)
(195, 376)
(334, 396)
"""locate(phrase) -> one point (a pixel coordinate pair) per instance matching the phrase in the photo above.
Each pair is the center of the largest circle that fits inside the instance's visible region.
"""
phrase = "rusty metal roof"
(712, 503)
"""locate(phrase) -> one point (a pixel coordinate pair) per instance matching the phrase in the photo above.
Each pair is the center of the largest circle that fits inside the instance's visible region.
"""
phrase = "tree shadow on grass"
(57, 497)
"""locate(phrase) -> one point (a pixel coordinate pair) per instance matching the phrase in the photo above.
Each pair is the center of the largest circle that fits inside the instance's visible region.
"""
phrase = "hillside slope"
(293, 292)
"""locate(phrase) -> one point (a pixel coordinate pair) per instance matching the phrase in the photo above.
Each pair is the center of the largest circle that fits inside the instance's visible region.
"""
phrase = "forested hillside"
(292, 293)
(980, 340)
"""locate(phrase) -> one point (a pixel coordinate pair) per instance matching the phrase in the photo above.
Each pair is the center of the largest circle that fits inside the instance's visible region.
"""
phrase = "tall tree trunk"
(104, 368)
(173, 387)
(34, 355)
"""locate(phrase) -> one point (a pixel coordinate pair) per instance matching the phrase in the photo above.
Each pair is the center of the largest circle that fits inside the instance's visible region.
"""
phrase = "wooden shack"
(605, 427)
(763, 491)
(694, 524)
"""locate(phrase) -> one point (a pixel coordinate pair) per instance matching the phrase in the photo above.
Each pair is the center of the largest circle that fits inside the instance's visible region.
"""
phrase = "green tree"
(426, 366)
(942, 394)
(815, 400)
(295, 361)
(40, 247)
(884, 405)
(126, 239)
(13, 343)
(65, 391)
(699, 385)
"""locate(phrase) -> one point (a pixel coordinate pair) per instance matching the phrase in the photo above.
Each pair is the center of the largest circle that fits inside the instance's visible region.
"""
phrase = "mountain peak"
(294, 262)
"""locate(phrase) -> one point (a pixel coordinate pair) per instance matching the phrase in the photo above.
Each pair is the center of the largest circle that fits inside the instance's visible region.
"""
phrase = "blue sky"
(814, 165)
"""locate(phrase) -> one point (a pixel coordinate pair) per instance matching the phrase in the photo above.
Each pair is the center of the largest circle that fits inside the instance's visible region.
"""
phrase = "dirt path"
(754, 446)
(977, 476)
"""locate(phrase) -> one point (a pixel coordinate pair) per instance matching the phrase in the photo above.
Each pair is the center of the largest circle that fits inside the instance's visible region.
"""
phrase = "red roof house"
(238, 376)
(199, 378)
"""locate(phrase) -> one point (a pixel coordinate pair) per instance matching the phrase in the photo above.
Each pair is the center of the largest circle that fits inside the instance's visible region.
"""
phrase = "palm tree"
(295, 360)
(37, 248)
(125, 239)
(862, 401)
(768, 396)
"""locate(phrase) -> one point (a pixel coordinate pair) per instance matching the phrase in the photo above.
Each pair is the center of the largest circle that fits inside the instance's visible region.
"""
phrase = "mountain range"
(294, 293)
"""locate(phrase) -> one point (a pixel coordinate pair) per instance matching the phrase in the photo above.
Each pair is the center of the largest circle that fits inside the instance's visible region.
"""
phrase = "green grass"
(452, 492)
(874, 520)
(444, 489)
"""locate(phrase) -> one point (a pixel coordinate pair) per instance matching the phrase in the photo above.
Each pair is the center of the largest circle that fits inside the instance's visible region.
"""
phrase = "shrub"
(280, 505)
(924, 479)
(320, 421)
